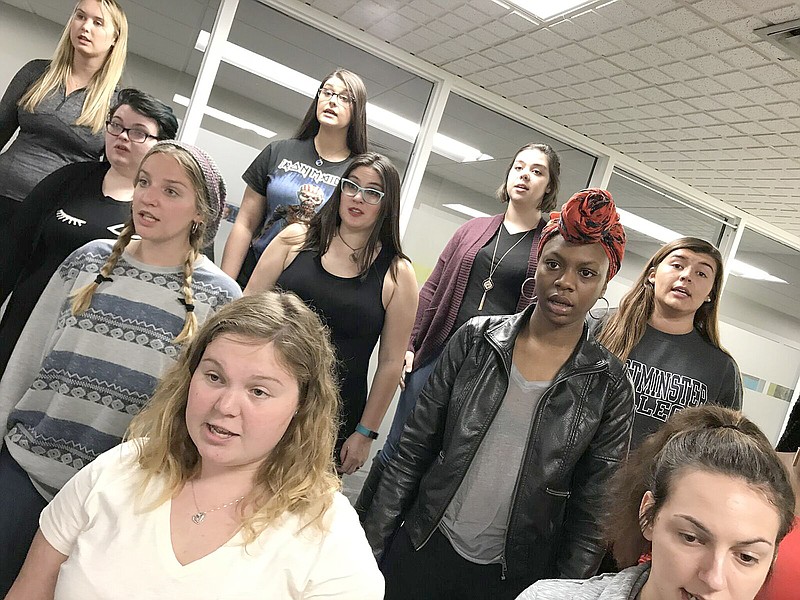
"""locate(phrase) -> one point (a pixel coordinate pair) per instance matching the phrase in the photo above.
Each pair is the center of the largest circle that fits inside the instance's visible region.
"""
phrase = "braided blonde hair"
(82, 297)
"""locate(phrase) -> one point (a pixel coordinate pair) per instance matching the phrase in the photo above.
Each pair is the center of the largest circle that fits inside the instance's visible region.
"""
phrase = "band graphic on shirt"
(661, 393)
(309, 172)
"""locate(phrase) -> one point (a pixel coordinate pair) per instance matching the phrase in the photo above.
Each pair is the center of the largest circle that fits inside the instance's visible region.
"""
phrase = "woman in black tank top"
(348, 265)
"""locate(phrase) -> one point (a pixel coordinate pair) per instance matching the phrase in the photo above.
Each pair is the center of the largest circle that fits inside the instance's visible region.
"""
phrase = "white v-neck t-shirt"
(117, 551)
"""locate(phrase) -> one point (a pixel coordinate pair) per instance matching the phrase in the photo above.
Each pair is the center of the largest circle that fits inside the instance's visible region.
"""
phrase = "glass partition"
(761, 326)
(652, 217)
(469, 161)
(270, 72)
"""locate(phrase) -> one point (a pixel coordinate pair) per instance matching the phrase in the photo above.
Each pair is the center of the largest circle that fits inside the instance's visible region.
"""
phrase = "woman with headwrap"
(500, 468)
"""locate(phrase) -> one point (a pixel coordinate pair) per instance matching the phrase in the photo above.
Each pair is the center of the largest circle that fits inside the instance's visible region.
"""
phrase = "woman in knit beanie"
(108, 324)
(499, 471)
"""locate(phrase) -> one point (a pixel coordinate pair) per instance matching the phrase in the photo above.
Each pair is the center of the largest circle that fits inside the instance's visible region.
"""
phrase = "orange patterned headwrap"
(589, 217)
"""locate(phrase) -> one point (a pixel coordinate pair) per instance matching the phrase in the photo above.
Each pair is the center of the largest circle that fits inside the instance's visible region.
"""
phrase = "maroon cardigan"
(441, 296)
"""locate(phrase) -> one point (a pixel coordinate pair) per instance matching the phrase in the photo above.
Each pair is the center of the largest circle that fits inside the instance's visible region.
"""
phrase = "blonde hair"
(298, 476)
(82, 297)
(103, 83)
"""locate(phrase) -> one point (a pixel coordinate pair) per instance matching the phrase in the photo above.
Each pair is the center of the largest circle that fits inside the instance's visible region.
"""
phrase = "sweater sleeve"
(26, 226)
(9, 120)
(731, 392)
(36, 340)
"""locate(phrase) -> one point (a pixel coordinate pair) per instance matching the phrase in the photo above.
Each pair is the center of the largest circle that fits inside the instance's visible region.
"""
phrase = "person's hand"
(408, 364)
(355, 451)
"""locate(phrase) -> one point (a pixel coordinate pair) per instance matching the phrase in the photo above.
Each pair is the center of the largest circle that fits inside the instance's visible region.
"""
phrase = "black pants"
(437, 571)
(20, 506)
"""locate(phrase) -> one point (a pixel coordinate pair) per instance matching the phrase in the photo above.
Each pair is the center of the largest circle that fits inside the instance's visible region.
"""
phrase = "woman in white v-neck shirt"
(226, 489)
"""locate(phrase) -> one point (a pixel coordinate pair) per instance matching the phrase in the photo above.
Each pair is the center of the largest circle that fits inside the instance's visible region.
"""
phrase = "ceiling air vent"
(785, 36)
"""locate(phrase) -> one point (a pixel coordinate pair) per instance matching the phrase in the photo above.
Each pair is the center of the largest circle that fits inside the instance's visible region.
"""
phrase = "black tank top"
(353, 310)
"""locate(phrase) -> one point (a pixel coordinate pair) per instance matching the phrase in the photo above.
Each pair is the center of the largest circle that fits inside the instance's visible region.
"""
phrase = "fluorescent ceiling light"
(466, 210)
(381, 118)
(228, 118)
(547, 9)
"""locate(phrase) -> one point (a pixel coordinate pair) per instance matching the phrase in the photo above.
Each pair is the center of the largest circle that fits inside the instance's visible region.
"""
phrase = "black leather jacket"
(580, 431)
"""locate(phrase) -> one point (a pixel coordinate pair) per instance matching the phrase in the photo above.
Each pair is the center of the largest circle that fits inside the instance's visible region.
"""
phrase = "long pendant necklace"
(488, 283)
(355, 251)
(200, 515)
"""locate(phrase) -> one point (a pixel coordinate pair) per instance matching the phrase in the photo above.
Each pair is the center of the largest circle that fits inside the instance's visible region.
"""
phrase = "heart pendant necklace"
(200, 515)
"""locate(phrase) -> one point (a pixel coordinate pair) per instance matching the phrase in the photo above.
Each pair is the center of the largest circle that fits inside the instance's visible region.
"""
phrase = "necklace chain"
(488, 283)
(355, 251)
(200, 515)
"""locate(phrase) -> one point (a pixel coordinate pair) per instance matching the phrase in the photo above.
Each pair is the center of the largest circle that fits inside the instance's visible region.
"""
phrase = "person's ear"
(651, 276)
(648, 500)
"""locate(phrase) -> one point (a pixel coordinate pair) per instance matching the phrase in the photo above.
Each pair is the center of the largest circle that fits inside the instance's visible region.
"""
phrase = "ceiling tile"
(683, 20)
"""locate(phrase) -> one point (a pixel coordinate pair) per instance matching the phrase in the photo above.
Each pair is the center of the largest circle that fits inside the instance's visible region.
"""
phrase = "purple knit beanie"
(214, 183)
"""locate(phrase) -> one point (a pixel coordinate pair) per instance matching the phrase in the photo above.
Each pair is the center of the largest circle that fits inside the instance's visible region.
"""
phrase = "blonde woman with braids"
(667, 332)
(226, 488)
(60, 106)
(109, 323)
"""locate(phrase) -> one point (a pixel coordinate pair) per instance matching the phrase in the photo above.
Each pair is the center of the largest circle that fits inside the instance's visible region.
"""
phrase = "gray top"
(48, 139)
(625, 585)
(476, 519)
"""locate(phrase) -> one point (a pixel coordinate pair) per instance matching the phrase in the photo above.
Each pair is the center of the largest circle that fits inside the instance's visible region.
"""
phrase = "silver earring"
(603, 316)
(195, 225)
(532, 297)
(708, 299)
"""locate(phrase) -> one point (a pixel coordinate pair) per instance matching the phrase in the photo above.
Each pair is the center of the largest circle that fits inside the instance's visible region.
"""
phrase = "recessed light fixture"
(228, 118)
(466, 210)
(378, 117)
(544, 10)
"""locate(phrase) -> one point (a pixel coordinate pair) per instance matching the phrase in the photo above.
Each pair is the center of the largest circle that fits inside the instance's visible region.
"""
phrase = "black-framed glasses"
(135, 135)
(327, 93)
(368, 195)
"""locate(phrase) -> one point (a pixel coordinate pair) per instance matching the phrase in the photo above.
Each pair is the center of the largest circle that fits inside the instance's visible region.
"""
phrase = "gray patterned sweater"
(74, 383)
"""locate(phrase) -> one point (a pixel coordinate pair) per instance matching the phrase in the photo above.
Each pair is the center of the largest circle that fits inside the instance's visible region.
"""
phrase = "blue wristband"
(373, 435)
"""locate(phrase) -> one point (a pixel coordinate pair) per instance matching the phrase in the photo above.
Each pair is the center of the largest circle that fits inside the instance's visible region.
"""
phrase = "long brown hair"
(82, 297)
(386, 231)
(625, 328)
(708, 438)
(298, 476)
(357, 129)
(101, 87)
(554, 170)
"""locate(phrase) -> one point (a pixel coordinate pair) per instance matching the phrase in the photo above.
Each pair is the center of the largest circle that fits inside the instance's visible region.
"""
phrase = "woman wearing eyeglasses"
(348, 265)
(332, 132)
(78, 203)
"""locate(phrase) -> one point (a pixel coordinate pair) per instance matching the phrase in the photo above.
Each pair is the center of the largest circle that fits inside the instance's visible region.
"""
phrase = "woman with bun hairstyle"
(498, 475)
(667, 331)
(106, 327)
(76, 204)
(697, 512)
(60, 106)
(499, 249)
(291, 179)
(225, 487)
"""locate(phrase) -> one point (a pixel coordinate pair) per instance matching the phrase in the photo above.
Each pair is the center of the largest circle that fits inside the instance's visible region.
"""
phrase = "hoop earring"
(195, 225)
(532, 297)
(603, 316)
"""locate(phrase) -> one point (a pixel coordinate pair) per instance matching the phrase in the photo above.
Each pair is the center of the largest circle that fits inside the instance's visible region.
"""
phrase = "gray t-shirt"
(476, 519)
